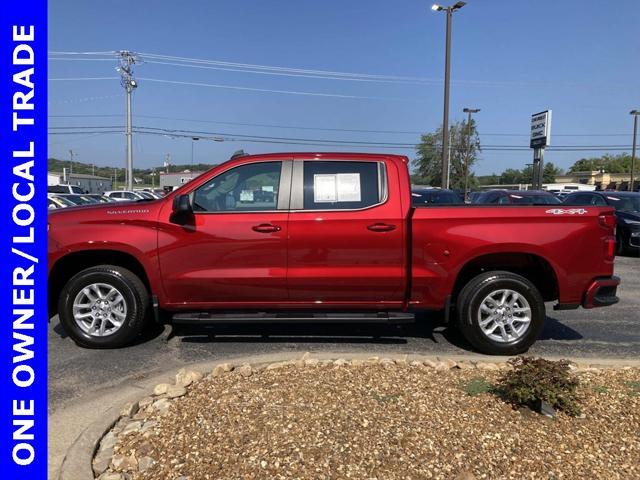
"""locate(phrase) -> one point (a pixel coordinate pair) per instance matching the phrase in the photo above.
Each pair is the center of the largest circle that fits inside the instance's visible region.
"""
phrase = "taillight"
(607, 220)
(610, 248)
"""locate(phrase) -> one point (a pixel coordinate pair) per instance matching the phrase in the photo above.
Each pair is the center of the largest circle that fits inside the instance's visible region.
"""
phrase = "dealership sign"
(540, 129)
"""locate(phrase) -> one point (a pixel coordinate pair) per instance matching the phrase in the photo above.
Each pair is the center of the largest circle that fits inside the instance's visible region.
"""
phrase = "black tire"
(135, 297)
(470, 300)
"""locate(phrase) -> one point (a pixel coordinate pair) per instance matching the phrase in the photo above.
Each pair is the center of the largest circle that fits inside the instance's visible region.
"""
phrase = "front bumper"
(601, 292)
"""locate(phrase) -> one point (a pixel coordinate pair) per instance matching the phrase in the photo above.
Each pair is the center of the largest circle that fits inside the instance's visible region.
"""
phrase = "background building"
(90, 183)
(601, 180)
(176, 179)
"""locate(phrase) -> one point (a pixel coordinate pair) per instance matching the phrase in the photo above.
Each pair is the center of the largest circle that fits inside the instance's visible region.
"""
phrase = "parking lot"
(74, 372)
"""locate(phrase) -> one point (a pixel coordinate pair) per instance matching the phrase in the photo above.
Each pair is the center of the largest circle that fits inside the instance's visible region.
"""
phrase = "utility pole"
(468, 111)
(193, 140)
(127, 60)
(71, 156)
(635, 114)
(115, 178)
(167, 162)
(447, 73)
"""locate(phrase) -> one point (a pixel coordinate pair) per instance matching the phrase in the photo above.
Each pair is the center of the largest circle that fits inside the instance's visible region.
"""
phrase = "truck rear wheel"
(500, 313)
(103, 307)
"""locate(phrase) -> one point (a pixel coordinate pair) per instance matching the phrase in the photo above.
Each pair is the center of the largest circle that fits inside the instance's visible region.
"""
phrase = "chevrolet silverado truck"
(323, 237)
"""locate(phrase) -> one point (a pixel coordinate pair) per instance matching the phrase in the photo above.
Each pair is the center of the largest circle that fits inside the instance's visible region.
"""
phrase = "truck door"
(235, 251)
(346, 234)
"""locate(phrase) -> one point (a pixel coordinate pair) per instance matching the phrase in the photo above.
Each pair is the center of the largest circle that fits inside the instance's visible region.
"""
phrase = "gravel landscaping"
(373, 419)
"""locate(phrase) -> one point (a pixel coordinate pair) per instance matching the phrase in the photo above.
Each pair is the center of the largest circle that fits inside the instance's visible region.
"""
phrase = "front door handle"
(266, 228)
(381, 227)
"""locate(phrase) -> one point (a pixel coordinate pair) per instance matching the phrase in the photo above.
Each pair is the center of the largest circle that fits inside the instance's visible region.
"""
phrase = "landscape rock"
(145, 402)
(102, 460)
(130, 409)
(162, 405)
(111, 476)
(222, 369)
(176, 391)
(132, 427)
(187, 377)
(124, 462)
(144, 463)
(161, 389)
(340, 362)
(245, 370)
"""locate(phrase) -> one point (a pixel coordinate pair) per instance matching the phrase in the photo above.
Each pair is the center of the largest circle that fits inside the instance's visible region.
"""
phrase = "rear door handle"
(266, 228)
(381, 227)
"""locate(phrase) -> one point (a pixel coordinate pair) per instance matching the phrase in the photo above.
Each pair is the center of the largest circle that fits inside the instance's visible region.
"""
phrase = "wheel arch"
(74, 262)
(534, 267)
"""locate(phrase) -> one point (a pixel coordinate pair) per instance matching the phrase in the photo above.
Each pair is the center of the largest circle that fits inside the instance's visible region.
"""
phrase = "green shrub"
(534, 379)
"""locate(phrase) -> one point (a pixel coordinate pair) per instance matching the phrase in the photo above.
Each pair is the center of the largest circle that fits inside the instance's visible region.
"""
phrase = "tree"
(609, 163)
(550, 172)
(464, 152)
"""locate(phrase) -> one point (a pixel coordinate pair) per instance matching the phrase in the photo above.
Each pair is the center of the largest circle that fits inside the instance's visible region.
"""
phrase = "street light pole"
(468, 111)
(635, 114)
(447, 73)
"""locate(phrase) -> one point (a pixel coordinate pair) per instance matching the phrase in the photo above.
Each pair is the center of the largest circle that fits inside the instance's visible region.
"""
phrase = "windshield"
(625, 203)
(534, 199)
(63, 202)
(79, 199)
(146, 195)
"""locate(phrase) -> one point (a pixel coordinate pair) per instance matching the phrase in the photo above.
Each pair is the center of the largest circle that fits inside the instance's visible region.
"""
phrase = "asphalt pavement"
(76, 373)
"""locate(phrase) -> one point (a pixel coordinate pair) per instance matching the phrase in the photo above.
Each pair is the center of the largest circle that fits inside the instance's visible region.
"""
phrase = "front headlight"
(631, 222)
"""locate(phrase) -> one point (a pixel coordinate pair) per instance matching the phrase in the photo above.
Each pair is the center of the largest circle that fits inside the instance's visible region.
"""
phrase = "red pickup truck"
(323, 236)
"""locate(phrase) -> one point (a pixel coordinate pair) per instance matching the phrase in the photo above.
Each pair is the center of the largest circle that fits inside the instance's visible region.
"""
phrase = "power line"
(353, 130)
(224, 136)
(266, 90)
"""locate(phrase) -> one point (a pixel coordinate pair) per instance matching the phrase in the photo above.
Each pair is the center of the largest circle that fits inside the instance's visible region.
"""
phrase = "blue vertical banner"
(23, 239)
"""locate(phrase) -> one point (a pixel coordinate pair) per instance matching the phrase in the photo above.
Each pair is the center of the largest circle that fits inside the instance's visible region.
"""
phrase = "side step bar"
(283, 317)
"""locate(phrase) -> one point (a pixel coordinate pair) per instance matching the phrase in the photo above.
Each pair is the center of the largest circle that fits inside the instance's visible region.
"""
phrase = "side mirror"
(182, 209)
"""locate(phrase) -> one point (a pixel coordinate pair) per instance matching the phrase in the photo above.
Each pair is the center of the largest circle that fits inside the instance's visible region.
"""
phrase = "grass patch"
(634, 387)
(386, 398)
(600, 389)
(476, 386)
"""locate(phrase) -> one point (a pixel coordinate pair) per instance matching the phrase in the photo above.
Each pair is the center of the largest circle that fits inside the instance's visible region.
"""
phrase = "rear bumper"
(601, 292)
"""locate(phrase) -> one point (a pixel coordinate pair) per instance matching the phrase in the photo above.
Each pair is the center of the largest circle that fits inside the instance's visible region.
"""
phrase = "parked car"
(124, 195)
(338, 241)
(517, 197)
(78, 199)
(434, 196)
(627, 205)
(57, 201)
(65, 189)
(473, 196)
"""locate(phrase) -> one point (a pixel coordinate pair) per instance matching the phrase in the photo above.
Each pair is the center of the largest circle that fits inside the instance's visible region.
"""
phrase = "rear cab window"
(338, 185)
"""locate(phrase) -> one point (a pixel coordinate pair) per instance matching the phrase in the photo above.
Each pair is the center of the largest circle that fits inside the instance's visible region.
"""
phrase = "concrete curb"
(76, 464)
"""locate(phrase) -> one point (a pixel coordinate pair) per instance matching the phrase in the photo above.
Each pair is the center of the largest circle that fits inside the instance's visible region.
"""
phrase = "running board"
(264, 317)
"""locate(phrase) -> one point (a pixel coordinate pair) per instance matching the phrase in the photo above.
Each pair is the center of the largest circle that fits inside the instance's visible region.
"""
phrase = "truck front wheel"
(103, 307)
(500, 313)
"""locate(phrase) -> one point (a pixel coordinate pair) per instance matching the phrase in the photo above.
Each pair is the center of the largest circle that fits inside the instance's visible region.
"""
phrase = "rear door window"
(336, 185)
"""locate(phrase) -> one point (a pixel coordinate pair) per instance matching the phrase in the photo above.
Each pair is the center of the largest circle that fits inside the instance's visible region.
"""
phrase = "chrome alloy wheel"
(504, 315)
(99, 309)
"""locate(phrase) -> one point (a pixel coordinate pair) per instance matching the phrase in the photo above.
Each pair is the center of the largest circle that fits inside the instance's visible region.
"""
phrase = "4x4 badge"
(567, 211)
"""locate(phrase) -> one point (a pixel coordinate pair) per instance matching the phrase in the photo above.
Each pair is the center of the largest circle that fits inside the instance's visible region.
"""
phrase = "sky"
(580, 58)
